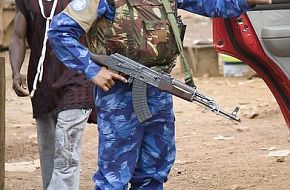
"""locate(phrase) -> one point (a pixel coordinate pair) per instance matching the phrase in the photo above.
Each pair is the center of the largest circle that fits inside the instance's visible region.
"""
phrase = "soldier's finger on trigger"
(119, 77)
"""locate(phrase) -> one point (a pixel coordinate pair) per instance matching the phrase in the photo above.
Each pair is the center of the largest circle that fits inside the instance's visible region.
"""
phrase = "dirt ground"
(213, 153)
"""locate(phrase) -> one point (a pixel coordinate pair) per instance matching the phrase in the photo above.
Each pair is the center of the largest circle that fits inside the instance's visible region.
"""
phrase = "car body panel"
(260, 39)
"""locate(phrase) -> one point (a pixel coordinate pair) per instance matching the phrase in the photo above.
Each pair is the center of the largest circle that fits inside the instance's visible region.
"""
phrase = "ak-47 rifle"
(141, 75)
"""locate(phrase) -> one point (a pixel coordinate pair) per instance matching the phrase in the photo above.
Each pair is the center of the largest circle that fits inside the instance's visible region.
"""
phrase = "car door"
(261, 39)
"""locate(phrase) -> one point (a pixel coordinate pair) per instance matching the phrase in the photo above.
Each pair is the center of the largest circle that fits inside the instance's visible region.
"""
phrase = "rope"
(39, 74)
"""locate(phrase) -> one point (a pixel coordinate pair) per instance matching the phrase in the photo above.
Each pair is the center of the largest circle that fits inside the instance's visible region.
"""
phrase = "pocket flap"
(155, 25)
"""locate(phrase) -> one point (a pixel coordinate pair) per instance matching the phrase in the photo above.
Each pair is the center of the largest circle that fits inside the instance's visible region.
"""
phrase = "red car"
(261, 39)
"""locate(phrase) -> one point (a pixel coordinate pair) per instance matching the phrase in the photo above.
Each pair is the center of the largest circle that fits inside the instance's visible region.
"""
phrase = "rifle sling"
(173, 23)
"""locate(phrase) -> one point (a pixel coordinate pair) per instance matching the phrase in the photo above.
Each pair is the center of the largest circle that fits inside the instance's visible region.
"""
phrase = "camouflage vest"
(139, 31)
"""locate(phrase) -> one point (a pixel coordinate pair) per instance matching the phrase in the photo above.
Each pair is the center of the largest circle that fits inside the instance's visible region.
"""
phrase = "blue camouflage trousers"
(129, 152)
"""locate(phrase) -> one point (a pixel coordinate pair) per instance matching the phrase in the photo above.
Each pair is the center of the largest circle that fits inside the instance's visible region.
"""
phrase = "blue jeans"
(130, 152)
(59, 140)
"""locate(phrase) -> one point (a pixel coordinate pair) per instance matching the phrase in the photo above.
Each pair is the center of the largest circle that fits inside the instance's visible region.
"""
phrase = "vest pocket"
(155, 37)
(156, 31)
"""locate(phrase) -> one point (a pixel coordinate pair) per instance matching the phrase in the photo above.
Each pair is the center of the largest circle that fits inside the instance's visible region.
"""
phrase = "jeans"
(59, 140)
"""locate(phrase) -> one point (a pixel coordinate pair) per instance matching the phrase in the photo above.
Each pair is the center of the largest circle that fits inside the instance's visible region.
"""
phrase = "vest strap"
(173, 23)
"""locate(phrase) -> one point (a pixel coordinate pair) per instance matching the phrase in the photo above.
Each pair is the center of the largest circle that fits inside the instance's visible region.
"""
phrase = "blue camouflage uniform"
(129, 152)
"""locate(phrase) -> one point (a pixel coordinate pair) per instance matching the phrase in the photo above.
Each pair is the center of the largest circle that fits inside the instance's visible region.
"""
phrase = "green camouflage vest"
(139, 31)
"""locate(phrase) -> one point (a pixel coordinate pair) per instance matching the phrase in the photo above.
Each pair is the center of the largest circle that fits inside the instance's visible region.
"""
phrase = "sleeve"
(214, 8)
(64, 34)
(84, 12)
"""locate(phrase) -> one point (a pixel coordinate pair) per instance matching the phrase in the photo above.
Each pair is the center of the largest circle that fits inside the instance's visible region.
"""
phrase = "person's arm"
(64, 36)
(219, 8)
(17, 50)
(252, 3)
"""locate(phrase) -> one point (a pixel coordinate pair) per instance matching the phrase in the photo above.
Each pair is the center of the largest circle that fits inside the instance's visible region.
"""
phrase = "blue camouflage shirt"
(68, 26)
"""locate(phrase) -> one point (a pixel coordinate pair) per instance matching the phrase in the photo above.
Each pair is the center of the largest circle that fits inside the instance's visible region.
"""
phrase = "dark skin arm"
(17, 50)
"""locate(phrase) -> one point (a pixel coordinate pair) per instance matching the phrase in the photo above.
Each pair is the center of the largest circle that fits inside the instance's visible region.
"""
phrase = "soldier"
(141, 154)
(61, 102)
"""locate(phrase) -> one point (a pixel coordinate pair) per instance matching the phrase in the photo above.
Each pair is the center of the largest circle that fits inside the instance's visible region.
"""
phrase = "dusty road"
(212, 152)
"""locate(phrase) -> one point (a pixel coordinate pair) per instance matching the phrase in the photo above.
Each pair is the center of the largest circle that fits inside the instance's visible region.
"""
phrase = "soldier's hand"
(105, 79)
(19, 85)
(259, 2)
